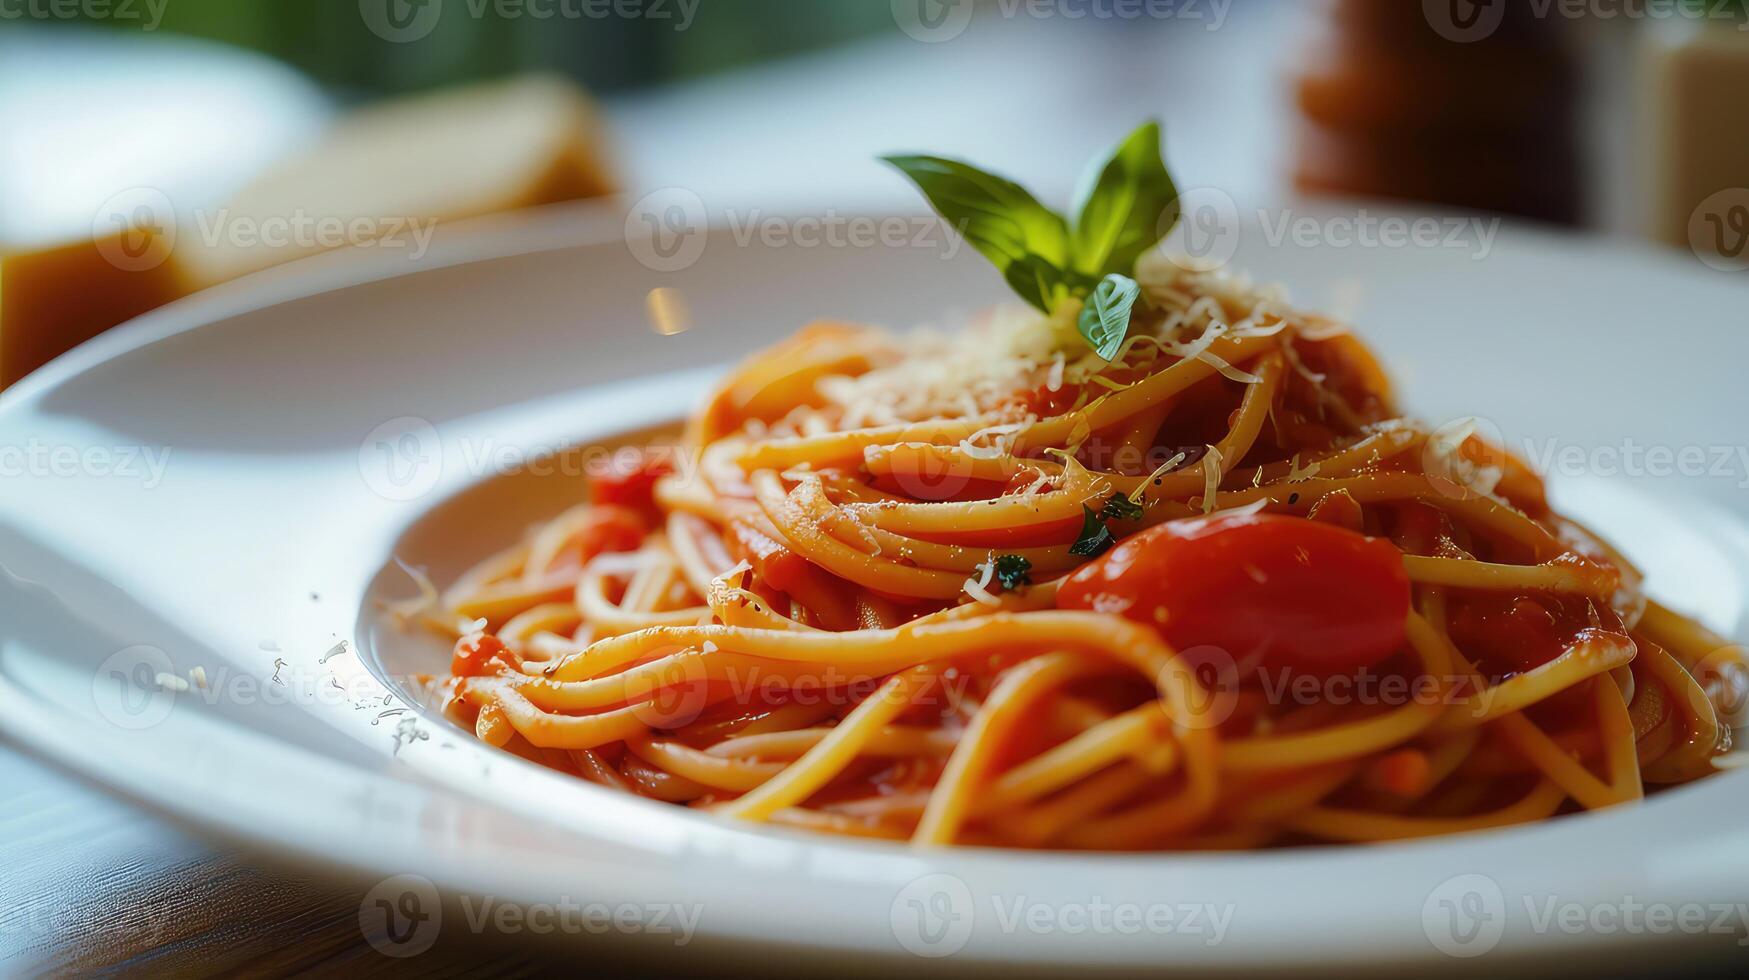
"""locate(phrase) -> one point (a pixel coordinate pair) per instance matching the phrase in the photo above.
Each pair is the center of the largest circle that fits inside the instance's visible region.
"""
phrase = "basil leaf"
(1105, 317)
(1120, 508)
(1036, 281)
(1095, 536)
(1013, 571)
(999, 219)
(1125, 207)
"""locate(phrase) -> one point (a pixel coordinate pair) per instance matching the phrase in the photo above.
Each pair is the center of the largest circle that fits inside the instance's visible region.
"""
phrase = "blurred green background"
(472, 39)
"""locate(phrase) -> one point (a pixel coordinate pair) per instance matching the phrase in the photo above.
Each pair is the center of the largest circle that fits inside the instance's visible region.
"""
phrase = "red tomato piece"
(1509, 634)
(777, 566)
(610, 529)
(630, 480)
(478, 656)
(1267, 589)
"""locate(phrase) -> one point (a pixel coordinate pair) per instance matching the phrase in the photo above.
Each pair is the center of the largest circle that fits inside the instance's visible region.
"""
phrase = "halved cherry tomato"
(1267, 589)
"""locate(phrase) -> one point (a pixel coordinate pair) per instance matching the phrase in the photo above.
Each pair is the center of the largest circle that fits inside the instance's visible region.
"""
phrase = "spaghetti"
(994, 589)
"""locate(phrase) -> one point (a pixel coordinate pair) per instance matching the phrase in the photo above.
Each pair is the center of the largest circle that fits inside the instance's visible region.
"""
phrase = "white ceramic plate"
(225, 482)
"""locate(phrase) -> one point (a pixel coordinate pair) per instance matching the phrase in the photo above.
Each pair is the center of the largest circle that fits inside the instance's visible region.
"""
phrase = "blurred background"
(1621, 118)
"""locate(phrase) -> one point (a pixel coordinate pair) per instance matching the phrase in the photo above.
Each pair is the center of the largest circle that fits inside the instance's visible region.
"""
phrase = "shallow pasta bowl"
(202, 510)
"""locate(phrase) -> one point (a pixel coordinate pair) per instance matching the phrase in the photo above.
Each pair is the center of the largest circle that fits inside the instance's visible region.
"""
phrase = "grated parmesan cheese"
(1211, 475)
(1297, 475)
(979, 588)
(406, 610)
(1159, 472)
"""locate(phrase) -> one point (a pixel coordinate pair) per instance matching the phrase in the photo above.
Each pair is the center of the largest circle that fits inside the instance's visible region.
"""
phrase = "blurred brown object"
(1470, 103)
(55, 299)
(1697, 135)
(392, 172)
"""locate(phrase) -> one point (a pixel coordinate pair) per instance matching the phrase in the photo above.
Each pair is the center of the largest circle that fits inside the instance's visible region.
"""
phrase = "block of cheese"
(392, 171)
(435, 158)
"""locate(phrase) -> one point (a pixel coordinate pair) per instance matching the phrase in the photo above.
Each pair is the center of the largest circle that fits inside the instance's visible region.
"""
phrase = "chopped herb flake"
(1013, 571)
(1095, 536)
(1120, 508)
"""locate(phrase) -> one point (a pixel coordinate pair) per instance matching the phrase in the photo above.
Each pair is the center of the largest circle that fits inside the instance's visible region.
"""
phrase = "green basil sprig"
(1126, 205)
